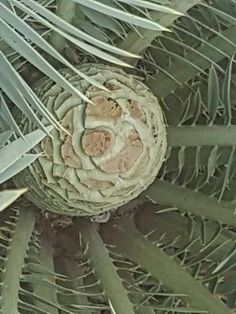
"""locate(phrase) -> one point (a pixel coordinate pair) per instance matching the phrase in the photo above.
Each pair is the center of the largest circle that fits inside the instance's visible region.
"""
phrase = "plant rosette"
(116, 146)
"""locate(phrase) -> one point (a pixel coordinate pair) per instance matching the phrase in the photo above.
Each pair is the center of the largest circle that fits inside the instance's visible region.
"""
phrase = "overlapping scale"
(116, 148)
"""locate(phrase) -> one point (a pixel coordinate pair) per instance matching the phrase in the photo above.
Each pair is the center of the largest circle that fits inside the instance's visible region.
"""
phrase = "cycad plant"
(117, 123)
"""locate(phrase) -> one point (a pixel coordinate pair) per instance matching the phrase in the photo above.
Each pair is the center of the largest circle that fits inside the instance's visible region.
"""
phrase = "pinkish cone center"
(95, 143)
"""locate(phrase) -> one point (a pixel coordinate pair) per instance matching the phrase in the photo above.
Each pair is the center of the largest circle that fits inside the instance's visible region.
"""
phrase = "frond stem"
(46, 292)
(16, 254)
(104, 269)
(201, 135)
(65, 10)
(166, 193)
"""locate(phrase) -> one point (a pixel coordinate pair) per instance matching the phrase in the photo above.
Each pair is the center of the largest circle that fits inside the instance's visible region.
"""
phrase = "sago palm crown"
(117, 123)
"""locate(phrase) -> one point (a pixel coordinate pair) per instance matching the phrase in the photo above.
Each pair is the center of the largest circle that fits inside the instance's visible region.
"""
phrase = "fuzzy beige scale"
(116, 148)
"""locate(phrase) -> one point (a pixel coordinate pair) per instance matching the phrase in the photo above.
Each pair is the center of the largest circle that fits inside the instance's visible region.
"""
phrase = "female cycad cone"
(116, 148)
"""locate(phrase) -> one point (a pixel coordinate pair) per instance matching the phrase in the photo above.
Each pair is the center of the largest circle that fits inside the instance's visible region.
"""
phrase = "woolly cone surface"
(116, 148)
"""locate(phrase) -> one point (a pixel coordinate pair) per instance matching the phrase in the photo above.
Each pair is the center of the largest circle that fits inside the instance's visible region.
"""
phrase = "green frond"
(186, 233)
(9, 196)
(45, 285)
(15, 238)
(210, 47)
(174, 252)
(201, 245)
(165, 269)
(104, 269)
(13, 154)
(164, 193)
(214, 135)
(125, 16)
(137, 42)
